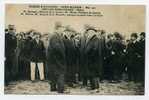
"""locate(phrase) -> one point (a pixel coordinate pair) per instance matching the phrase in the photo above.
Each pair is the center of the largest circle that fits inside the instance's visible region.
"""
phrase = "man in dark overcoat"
(102, 52)
(56, 60)
(10, 47)
(20, 61)
(132, 58)
(117, 52)
(108, 72)
(26, 53)
(141, 51)
(91, 58)
(70, 57)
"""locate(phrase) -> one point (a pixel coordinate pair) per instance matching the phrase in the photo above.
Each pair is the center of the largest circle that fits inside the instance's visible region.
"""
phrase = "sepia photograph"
(74, 49)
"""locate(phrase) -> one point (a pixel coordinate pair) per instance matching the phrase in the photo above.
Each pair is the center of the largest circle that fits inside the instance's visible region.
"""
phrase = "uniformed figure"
(10, 47)
(56, 60)
(38, 57)
(90, 58)
(132, 58)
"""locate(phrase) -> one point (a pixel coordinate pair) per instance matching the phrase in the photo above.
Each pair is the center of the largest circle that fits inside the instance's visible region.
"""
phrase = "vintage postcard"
(74, 49)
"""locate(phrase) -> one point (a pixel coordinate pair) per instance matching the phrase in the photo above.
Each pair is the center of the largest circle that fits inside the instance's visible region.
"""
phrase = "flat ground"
(106, 88)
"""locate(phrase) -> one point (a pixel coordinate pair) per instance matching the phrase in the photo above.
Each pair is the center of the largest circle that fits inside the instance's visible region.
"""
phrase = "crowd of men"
(67, 57)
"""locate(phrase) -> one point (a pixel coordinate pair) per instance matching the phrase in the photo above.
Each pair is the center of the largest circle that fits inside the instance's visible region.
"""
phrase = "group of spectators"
(67, 57)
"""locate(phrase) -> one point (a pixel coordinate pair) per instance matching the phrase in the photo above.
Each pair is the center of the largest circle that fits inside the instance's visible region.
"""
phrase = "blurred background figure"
(57, 60)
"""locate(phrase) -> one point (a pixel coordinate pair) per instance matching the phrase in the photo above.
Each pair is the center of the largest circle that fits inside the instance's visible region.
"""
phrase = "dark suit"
(70, 60)
(56, 62)
(114, 61)
(20, 61)
(10, 47)
(118, 48)
(91, 68)
(132, 61)
(102, 52)
(141, 52)
(38, 53)
(108, 72)
(83, 68)
(26, 55)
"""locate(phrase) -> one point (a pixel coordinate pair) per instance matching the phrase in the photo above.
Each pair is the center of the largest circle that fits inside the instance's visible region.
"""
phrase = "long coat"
(90, 57)
(70, 56)
(19, 59)
(102, 52)
(10, 44)
(10, 47)
(56, 56)
(25, 57)
(132, 55)
(118, 48)
(82, 68)
(108, 71)
(141, 51)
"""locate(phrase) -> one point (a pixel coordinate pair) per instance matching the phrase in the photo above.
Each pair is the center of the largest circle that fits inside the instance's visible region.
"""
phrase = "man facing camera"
(37, 57)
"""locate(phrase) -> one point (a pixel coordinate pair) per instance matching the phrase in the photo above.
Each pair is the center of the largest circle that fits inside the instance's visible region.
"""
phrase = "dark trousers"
(8, 73)
(70, 76)
(94, 82)
(141, 70)
(84, 79)
(24, 70)
(132, 74)
(57, 83)
(10, 70)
